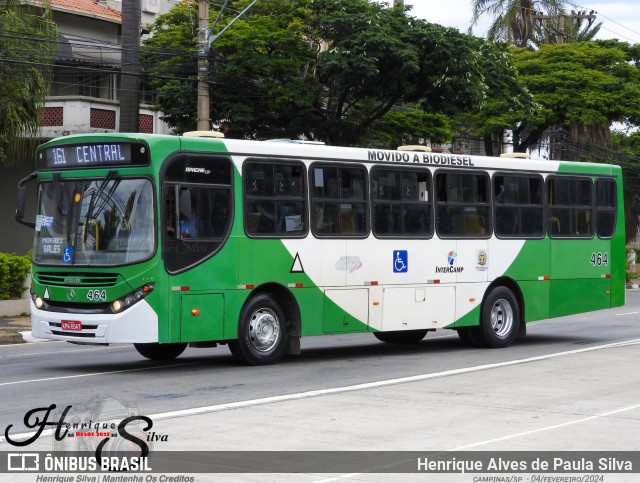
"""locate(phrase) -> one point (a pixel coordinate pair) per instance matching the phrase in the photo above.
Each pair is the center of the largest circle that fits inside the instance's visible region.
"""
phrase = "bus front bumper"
(137, 324)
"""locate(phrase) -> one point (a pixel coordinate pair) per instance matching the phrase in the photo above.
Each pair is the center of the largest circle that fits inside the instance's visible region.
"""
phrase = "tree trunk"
(130, 70)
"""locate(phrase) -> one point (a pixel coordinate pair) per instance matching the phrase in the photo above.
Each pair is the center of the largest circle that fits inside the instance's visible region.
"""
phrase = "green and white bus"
(169, 241)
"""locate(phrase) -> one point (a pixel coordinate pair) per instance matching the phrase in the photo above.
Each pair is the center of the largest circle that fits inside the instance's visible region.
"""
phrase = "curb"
(632, 286)
(27, 337)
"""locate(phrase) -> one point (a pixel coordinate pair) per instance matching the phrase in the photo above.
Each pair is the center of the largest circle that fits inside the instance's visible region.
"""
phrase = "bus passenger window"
(570, 207)
(401, 202)
(275, 203)
(462, 204)
(339, 203)
(606, 208)
(519, 210)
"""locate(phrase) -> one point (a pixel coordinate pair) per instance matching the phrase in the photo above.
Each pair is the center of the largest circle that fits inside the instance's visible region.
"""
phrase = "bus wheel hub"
(264, 330)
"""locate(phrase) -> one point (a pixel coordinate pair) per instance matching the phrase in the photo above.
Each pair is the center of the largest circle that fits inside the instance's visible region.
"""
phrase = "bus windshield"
(108, 221)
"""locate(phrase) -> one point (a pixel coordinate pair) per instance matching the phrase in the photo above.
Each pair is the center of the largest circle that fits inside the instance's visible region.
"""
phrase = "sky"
(620, 18)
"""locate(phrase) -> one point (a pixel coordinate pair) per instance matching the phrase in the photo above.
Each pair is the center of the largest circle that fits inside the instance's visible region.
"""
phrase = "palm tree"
(27, 50)
(513, 20)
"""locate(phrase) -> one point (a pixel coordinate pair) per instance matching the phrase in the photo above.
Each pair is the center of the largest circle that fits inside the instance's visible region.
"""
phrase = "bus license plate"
(73, 325)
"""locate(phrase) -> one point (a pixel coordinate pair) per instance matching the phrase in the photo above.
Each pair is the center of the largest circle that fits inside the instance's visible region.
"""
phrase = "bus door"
(198, 255)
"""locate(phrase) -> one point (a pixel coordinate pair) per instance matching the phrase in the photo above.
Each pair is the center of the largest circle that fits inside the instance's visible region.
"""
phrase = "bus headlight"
(131, 298)
(37, 301)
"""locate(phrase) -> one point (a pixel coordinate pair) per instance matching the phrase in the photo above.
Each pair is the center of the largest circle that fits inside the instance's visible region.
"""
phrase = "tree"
(169, 58)
(27, 50)
(507, 104)
(582, 86)
(342, 71)
(513, 20)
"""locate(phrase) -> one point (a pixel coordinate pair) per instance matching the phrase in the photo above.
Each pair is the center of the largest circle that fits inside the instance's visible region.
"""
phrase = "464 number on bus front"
(599, 259)
(97, 295)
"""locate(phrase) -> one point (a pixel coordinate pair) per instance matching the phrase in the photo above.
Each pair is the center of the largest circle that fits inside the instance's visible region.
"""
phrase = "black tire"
(500, 319)
(470, 336)
(262, 332)
(160, 352)
(401, 336)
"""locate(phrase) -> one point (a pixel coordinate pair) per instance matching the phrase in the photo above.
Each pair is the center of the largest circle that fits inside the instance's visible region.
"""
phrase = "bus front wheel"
(500, 320)
(262, 332)
(401, 336)
(160, 352)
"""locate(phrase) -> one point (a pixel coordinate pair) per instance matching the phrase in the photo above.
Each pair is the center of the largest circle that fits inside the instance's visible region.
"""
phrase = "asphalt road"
(571, 384)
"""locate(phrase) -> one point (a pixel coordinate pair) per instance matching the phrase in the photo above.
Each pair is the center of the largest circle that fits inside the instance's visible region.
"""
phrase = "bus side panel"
(530, 270)
(618, 250)
(337, 320)
(579, 270)
(578, 295)
(536, 299)
(309, 301)
(202, 317)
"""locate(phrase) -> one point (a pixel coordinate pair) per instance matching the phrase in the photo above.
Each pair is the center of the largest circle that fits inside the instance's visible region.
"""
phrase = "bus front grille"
(76, 279)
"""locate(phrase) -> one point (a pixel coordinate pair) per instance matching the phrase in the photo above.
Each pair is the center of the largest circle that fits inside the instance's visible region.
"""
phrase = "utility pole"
(561, 18)
(130, 68)
(203, 65)
(205, 39)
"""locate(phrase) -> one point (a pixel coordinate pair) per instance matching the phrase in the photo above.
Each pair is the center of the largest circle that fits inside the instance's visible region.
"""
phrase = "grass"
(10, 328)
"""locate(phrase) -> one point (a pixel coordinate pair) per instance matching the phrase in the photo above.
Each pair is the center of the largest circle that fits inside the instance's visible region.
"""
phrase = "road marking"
(377, 384)
(334, 390)
(106, 373)
(630, 313)
(547, 428)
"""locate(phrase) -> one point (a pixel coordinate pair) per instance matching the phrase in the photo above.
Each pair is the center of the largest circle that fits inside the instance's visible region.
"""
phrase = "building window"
(52, 116)
(102, 118)
(89, 85)
(146, 123)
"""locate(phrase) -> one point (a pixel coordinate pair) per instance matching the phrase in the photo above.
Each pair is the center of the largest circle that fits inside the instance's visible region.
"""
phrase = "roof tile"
(87, 7)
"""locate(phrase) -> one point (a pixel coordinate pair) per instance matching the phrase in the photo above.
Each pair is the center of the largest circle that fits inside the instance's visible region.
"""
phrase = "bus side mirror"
(22, 201)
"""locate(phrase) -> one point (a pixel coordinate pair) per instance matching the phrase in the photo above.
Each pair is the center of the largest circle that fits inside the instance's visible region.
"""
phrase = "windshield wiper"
(99, 199)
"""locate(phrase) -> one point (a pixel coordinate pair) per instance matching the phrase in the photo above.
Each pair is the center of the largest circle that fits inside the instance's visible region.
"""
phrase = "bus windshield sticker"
(297, 265)
(400, 261)
(67, 255)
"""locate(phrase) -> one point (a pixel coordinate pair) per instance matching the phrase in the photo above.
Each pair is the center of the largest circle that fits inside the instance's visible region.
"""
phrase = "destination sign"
(93, 154)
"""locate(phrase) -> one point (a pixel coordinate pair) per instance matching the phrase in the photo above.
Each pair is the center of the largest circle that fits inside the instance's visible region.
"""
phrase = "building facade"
(83, 96)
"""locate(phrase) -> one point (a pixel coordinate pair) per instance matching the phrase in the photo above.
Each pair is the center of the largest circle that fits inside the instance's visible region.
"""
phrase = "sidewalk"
(11, 329)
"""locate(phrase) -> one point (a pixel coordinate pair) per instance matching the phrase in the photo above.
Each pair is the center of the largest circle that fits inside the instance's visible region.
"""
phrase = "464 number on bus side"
(598, 259)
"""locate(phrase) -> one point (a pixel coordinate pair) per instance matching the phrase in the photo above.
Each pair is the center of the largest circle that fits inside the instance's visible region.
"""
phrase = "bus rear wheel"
(160, 352)
(401, 336)
(262, 332)
(500, 320)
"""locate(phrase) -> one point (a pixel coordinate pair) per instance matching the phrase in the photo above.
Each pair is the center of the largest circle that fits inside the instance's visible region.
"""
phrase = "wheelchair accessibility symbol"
(400, 261)
(67, 255)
